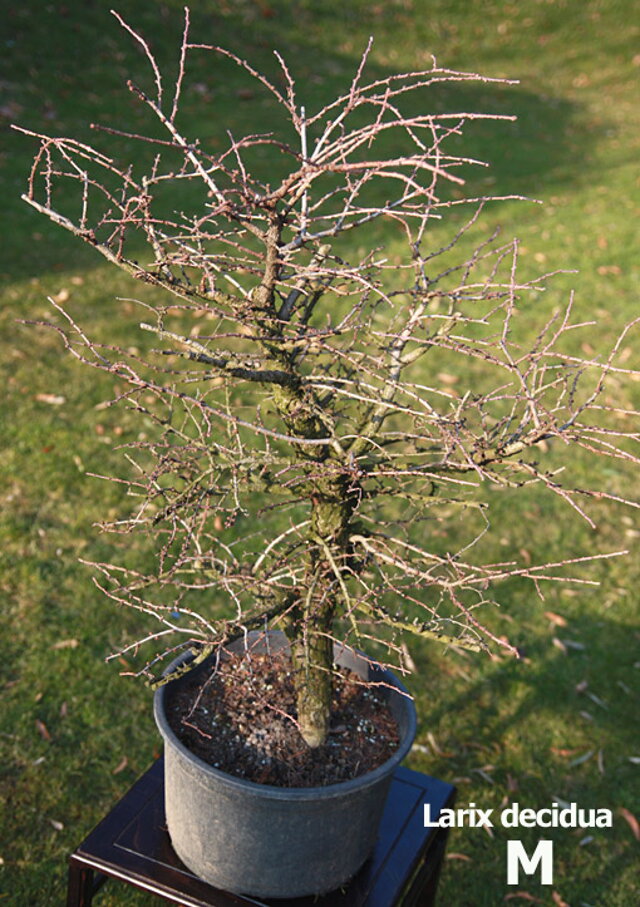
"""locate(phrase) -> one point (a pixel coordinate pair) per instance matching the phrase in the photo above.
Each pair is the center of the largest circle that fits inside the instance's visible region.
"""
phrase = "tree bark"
(312, 657)
(312, 646)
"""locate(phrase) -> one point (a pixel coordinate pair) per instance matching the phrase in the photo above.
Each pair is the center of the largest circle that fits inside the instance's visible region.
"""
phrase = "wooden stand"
(132, 844)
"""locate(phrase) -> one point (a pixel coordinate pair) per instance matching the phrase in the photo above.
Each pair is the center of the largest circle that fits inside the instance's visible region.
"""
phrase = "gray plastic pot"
(267, 841)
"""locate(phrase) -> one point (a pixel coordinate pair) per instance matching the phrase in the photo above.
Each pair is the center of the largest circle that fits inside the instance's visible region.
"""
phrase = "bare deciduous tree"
(297, 390)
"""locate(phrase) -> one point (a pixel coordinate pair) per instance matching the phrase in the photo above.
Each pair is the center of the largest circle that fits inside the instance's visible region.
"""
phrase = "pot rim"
(336, 789)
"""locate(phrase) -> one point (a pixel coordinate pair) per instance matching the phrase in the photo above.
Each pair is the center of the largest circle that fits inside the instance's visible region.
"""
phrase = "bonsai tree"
(324, 393)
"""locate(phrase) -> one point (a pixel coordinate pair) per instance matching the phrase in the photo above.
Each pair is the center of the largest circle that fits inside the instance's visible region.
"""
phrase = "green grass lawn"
(563, 723)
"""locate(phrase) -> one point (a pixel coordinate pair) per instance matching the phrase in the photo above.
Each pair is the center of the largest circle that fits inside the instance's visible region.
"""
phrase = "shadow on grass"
(554, 683)
(553, 726)
(67, 67)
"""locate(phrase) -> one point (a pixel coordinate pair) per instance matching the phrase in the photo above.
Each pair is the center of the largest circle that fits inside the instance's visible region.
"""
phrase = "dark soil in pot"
(240, 718)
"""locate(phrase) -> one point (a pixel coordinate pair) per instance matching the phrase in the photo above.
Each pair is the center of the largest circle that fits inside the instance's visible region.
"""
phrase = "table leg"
(80, 887)
(437, 855)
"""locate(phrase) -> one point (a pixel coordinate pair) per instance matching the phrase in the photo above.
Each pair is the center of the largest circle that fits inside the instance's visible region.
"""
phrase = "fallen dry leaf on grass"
(53, 399)
(66, 644)
(581, 759)
(459, 856)
(631, 820)
(437, 749)
(558, 900)
(484, 773)
(598, 701)
(120, 767)
(556, 619)
(42, 729)
(559, 645)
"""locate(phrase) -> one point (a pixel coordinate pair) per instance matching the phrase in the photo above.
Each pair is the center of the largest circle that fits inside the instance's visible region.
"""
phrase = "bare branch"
(307, 431)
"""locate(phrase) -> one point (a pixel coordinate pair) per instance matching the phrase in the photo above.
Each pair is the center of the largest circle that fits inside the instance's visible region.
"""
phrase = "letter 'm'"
(517, 857)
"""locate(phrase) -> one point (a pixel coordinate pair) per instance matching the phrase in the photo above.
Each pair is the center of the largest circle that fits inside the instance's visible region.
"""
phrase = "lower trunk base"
(312, 658)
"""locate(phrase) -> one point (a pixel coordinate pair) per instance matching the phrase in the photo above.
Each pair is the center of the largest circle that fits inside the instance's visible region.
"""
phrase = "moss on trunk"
(333, 502)
(312, 656)
(312, 647)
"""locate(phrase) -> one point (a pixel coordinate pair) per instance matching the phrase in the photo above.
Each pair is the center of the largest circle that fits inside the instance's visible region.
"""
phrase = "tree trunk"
(312, 656)
(333, 501)
(312, 646)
